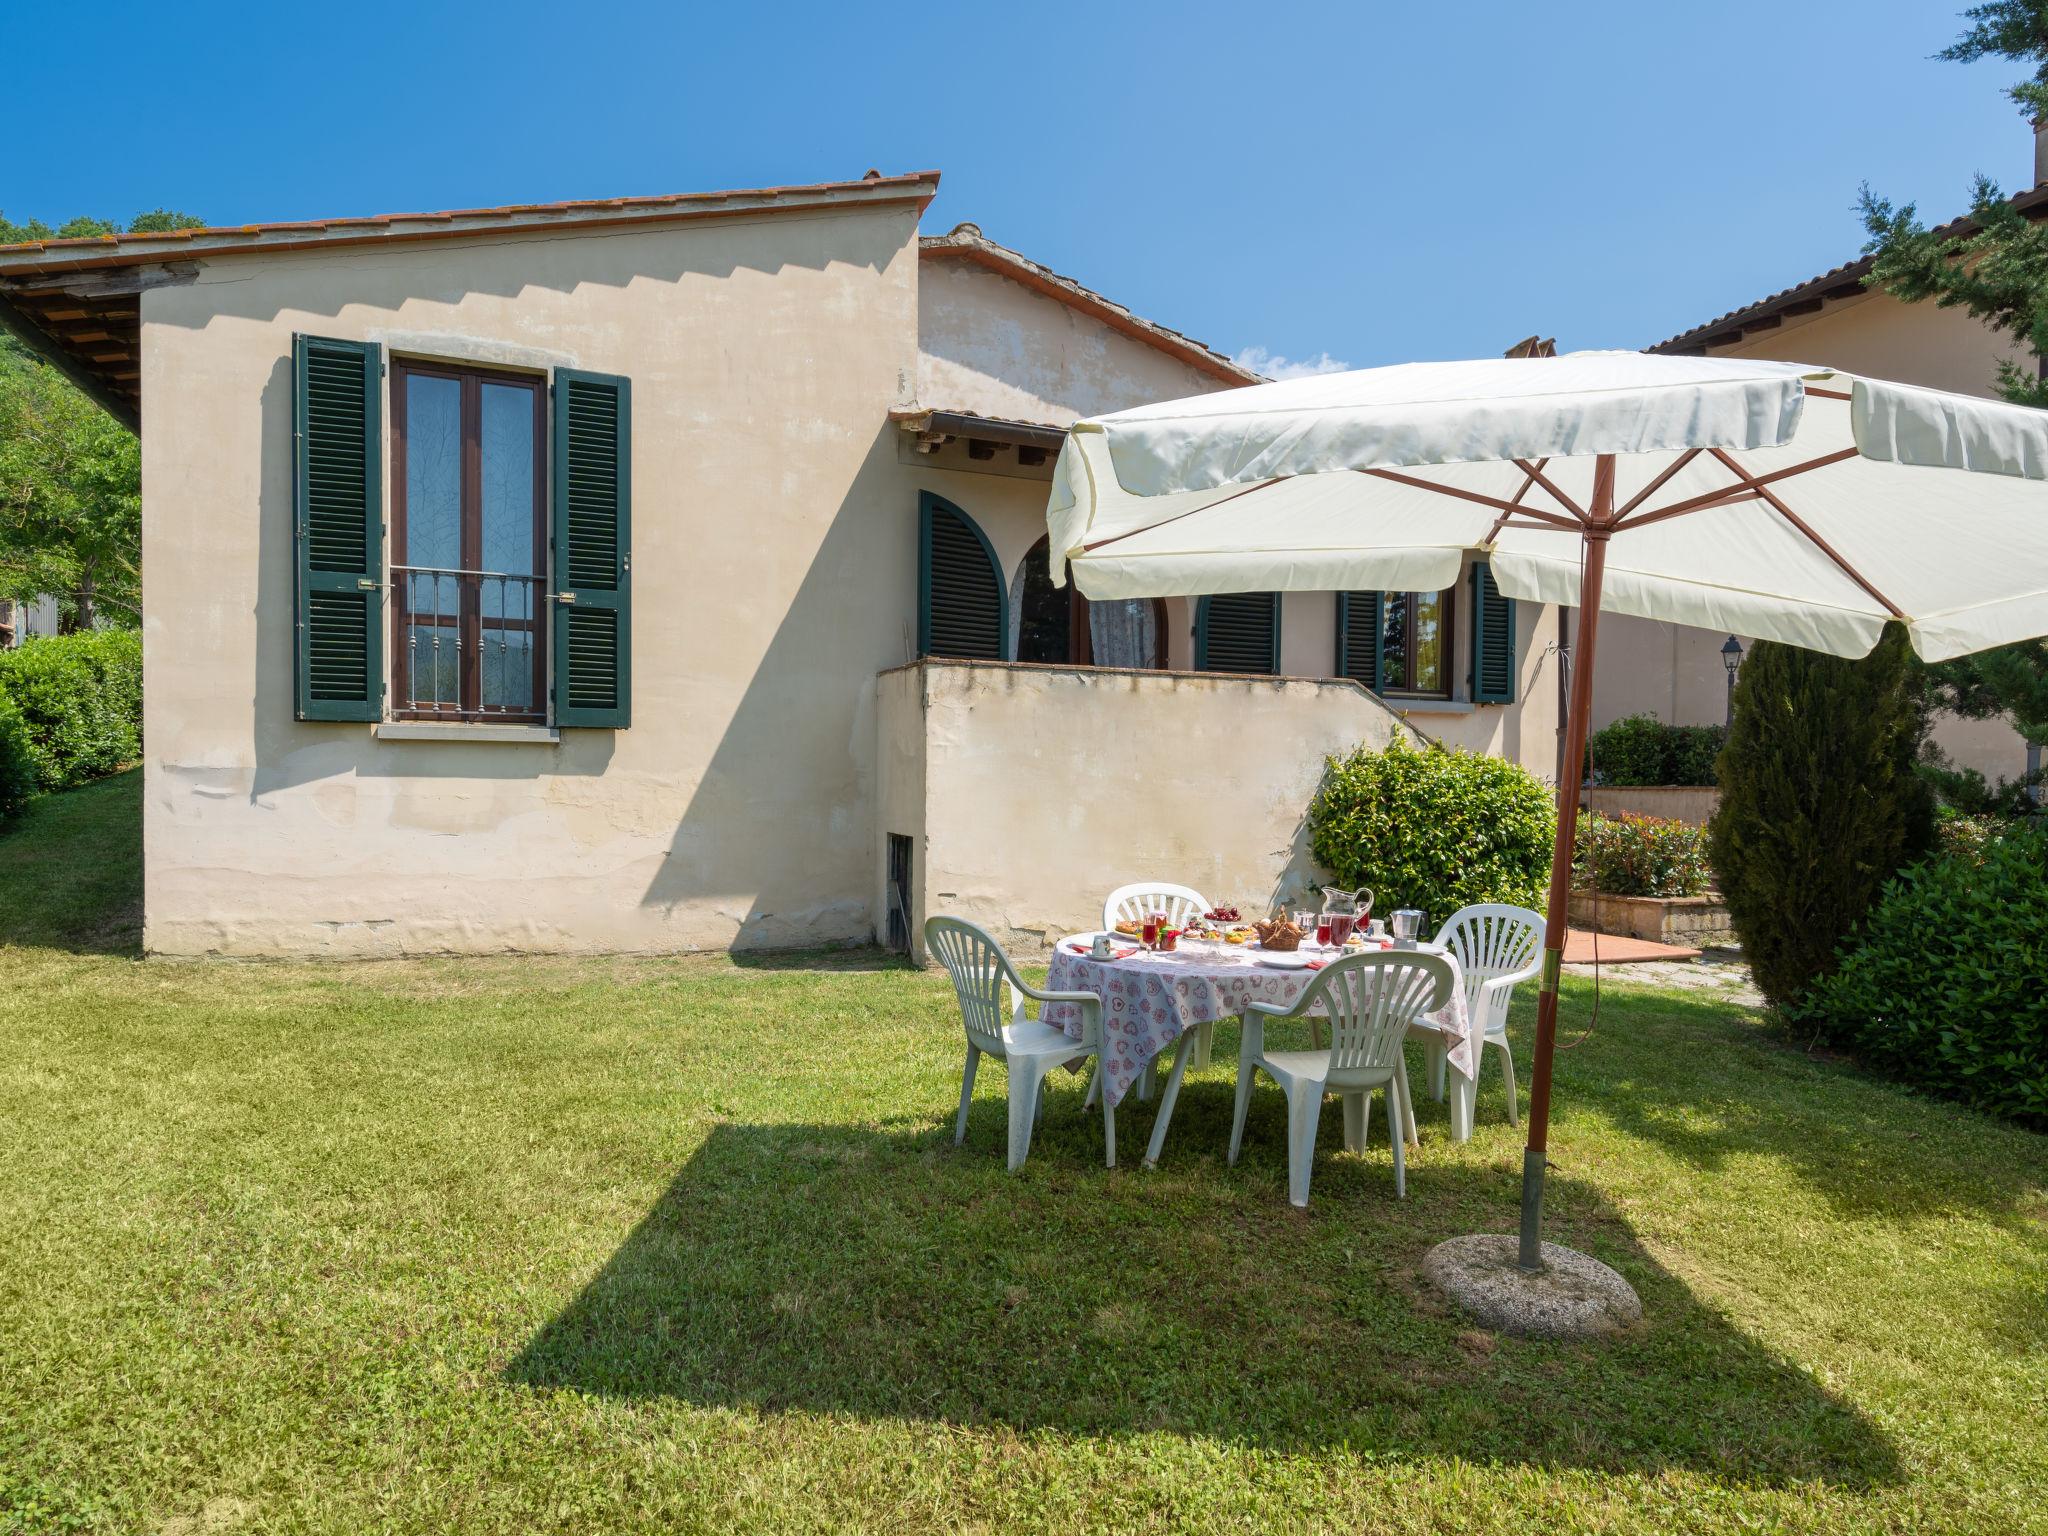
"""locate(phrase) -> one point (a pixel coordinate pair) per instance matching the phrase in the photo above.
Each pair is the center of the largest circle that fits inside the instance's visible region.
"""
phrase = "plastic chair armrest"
(1041, 994)
(1274, 1010)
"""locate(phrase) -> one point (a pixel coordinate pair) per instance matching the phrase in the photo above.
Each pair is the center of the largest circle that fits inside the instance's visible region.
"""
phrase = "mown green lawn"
(541, 1245)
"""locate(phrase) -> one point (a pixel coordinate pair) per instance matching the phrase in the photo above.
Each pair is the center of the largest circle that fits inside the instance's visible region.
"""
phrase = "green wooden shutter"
(1238, 632)
(960, 607)
(338, 529)
(593, 549)
(1361, 637)
(1493, 640)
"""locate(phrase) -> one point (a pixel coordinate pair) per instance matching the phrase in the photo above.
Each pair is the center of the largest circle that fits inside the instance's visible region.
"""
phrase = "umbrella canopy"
(1769, 499)
(1766, 499)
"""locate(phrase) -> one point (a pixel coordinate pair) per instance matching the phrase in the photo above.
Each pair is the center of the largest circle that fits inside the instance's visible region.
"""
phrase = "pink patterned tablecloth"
(1149, 1001)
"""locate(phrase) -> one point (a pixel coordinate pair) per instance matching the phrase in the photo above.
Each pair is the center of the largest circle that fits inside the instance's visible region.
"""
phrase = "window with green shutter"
(337, 529)
(1396, 643)
(1359, 616)
(1238, 632)
(1493, 640)
(960, 607)
(593, 551)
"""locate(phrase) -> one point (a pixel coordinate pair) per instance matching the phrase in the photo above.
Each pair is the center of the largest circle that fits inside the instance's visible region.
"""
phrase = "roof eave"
(1809, 297)
(965, 242)
(55, 257)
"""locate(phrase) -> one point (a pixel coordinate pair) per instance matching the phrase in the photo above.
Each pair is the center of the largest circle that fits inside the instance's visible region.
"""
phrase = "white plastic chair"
(1498, 947)
(1371, 999)
(981, 974)
(1130, 903)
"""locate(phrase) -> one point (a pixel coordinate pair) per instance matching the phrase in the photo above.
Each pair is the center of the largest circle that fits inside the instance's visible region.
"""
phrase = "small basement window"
(897, 928)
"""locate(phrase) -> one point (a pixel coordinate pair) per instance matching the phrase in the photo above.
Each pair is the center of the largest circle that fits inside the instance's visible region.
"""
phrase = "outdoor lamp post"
(1731, 658)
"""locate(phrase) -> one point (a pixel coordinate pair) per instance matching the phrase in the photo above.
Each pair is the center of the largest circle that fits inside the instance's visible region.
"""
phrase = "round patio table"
(1152, 1000)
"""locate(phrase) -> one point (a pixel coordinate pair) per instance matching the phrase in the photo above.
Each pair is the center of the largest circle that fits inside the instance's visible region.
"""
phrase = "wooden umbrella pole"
(1599, 526)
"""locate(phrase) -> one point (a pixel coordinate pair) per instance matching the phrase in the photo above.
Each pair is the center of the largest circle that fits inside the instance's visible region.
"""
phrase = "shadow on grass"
(71, 870)
(883, 1273)
(1702, 1081)
(857, 958)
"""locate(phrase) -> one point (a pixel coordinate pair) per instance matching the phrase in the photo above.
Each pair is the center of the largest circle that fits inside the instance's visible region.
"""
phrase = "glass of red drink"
(1323, 929)
(1149, 931)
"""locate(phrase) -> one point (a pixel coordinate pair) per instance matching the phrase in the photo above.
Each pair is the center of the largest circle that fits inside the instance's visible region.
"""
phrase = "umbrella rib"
(1657, 484)
(1728, 498)
(1515, 500)
(1463, 495)
(1756, 484)
(1716, 498)
(1535, 472)
(1131, 533)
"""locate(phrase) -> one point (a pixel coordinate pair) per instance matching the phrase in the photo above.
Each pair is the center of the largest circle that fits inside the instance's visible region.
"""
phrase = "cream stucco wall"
(1045, 788)
(1675, 672)
(775, 527)
(765, 354)
(990, 345)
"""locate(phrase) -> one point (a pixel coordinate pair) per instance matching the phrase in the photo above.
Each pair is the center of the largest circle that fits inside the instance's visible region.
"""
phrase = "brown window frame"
(1080, 636)
(1449, 597)
(468, 622)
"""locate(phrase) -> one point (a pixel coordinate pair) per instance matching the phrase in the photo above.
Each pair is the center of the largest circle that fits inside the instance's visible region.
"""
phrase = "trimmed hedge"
(1946, 981)
(1642, 749)
(1640, 856)
(17, 767)
(80, 698)
(1433, 829)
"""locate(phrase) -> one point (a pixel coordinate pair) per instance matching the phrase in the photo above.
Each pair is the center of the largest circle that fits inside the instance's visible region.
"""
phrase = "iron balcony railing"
(468, 644)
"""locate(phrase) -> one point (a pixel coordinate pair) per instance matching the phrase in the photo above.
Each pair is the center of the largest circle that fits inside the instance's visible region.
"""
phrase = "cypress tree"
(1820, 803)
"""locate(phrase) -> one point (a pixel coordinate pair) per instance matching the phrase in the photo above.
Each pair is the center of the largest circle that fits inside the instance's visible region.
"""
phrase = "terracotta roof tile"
(2033, 203)
(162, 245)
(966, 241)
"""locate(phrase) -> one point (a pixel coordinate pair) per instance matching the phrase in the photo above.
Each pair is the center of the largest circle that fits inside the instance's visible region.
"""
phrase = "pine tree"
(1996, 270)
(1820, 804)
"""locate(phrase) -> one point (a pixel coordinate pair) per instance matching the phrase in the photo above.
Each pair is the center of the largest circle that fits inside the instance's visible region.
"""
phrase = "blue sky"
(1371, 182)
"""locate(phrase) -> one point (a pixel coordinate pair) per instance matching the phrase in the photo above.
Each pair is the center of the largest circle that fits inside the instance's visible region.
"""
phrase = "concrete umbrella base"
(1573, 1297)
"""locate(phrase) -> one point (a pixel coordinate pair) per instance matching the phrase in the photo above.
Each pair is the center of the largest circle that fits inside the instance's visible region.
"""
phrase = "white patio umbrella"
(1774, 500)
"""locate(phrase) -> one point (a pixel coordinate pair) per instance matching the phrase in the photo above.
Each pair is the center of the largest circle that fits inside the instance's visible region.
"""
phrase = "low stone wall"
(1029, 793)
(1668, 802)
(1692, 921)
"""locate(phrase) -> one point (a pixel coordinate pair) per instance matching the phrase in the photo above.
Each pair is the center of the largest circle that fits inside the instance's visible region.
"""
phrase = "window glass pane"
(507, 666)
(1394, 641)
(433, 663)
(1427, 664)
(507, 462)
(1045, 627)
(433, 472)
(505, 661)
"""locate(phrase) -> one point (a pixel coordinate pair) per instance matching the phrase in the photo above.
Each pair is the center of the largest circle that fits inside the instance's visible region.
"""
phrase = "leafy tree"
(70, 476)
(70, 499)
(160, 220)
(1820, 803)
(1996, 270)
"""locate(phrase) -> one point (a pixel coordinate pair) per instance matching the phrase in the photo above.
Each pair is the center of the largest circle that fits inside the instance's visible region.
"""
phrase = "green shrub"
(1641, 749)
(1696, 753)
(1433, 829)
(1640, 856)
(1946, 981)
(17, 766)
(80, 697)
(1820, 803)
(1965, 837)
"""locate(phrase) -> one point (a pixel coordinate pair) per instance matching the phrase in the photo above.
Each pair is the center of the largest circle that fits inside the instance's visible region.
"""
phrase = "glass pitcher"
(1344, 910)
